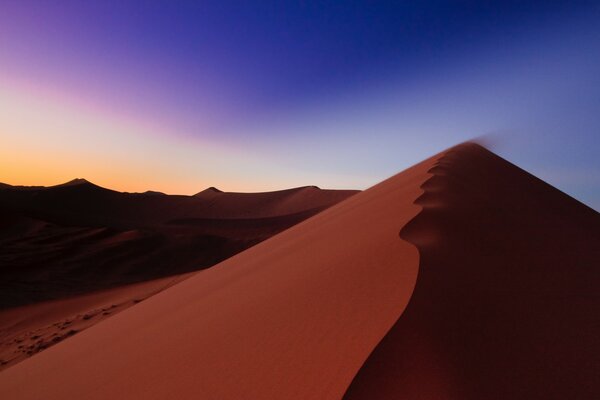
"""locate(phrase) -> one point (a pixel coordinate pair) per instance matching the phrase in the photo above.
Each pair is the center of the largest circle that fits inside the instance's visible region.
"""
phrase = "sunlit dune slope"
(463, 277)
(293, 317)
(27, 330)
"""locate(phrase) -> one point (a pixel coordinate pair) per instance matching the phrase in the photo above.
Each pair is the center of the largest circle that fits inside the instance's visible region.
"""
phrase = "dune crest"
(293, 317)
(506, 303)
(463, 277)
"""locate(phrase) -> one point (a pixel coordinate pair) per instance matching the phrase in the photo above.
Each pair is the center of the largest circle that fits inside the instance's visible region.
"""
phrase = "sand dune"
(80, 202)
(65, 247)
(292, 317)
(28, 330)
(75, 238)
(461, 277)
(507, 302)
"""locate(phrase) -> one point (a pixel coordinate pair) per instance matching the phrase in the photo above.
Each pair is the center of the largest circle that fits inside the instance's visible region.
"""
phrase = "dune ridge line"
(506, 297)
(293, 317)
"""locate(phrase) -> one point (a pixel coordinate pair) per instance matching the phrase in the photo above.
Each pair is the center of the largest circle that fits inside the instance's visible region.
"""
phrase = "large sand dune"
(507, 304)
(292, 317)
(504, 270)
(66, 251)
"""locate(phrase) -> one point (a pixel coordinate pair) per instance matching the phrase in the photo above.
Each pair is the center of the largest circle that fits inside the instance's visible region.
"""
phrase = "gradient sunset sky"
(177, 96)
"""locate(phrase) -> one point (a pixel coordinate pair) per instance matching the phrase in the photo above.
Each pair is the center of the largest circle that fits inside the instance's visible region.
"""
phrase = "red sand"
(293, 317)
(66, 251)
(27, 330)
(76, 238)
(505, 304)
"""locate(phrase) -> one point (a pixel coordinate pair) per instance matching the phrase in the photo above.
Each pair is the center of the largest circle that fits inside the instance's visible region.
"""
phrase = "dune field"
(75, 254)
(462, 277)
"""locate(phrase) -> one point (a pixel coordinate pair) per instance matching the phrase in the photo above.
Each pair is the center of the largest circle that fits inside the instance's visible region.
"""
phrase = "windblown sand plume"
(463, 277)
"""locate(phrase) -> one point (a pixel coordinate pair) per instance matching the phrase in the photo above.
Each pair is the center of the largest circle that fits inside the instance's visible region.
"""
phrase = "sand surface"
(463, 277)
(27, 330)
(67, 251)
(507, 302)
(293, 317)
(77, 238)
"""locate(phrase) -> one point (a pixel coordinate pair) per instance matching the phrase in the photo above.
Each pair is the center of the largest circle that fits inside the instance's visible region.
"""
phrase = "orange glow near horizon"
(47, 141)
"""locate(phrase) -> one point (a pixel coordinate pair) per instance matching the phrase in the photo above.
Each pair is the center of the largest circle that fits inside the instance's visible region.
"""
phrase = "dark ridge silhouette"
(293, 317)
(76, 181)
(506, 302)
(78, 237)
(211, 189)
(154, 193)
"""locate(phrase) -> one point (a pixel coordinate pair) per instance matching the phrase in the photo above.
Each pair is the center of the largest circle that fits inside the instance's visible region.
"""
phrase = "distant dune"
(78, 237)
(77, 240)
(463, 277)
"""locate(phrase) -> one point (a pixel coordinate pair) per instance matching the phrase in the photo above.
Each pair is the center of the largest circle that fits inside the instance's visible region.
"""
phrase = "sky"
(177, 96)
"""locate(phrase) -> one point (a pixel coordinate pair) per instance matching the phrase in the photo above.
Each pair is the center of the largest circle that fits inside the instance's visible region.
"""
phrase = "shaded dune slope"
(75, 254)
(293, 317)
(81, 202)
(506, 303)
(77, 238)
